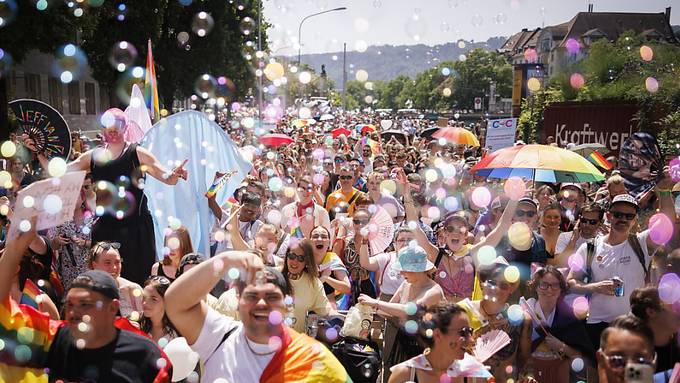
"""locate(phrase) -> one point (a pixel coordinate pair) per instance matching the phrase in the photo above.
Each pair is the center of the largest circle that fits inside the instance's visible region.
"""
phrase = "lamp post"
(303, 20)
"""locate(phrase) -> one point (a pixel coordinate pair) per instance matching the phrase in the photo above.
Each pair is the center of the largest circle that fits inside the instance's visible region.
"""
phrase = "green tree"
(388, 92)
(475, 74)
(221, 52)
(31, 29)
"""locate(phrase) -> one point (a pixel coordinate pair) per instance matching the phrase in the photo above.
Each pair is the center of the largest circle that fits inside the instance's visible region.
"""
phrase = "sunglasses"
(466, 332)
(626, 216)
(618, 362)
(299, 258)
(360, 221)
(570, 200)
(319, 236)
(522, 213)
(592, 222)
(545, 286)
(339, 160)
(106, 246)
(160, 279)
(505, 286)
(346, 178)
(451, 229)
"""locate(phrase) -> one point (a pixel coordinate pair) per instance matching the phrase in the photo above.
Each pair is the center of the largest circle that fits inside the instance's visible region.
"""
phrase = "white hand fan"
(380, 230)
(489, 344)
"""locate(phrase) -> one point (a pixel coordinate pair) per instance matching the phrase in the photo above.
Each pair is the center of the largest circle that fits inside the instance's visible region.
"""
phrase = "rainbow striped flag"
(374, 145)
(151, 86)
(29, 295)
(302, 359)
(27, 335)
(598, 159)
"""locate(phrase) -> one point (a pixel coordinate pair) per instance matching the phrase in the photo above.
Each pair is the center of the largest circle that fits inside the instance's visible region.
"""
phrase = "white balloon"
(183, 358)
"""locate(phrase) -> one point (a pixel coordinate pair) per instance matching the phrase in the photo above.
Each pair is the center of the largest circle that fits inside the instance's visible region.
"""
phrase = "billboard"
(500, 133)
(609, 124)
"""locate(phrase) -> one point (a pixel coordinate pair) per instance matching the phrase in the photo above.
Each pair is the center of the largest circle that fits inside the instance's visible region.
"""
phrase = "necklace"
(255, 352)
(294, 276)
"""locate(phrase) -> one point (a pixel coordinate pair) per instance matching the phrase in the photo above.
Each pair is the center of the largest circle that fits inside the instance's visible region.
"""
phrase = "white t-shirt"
(308, 221)
(392, 279)
(233, 360)
(611, 261)
(247, 230)
(563, 240)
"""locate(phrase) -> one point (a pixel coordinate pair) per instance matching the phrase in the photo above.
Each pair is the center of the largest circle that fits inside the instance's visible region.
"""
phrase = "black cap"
(98, 281)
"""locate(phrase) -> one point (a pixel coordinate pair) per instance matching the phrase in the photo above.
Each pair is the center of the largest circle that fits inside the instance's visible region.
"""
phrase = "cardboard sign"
(500, 133)
(52, 200)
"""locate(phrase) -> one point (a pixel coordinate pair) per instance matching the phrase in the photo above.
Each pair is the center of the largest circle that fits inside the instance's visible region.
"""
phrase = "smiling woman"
(301, 274)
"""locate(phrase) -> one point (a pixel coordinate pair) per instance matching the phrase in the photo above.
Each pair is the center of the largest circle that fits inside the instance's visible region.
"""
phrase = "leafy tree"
(179, 63)
(388, 92)
(31, 29)
(475, 74)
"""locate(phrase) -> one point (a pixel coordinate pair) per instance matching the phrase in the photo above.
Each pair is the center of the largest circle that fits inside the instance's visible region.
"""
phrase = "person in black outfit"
(646, 304)
(126, 161)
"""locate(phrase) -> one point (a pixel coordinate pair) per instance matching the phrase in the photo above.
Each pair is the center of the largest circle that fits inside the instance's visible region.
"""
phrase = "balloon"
(181, 356)
(519, 236)
(386, 124)
(515, 188)
(660, 228)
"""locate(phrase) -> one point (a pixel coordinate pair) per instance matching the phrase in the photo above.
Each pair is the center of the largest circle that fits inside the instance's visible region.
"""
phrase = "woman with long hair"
(332, 271)
(545, 195)
(550, 226)
(302, 275)
(558, 336)
(154, 321)
(178, 244)
(447, 334)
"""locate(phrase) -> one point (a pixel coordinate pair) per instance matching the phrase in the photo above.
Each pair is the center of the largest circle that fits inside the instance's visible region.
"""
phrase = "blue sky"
(375, 22)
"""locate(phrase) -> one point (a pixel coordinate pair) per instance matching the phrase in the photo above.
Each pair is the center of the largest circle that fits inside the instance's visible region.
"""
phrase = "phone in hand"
(638, 373)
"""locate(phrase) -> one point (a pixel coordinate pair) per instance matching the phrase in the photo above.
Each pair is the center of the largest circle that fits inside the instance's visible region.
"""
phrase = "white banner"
(500, 133)
(52, 200)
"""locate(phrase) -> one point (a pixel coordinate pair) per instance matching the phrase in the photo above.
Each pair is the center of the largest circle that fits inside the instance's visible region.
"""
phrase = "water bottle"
(312, 324)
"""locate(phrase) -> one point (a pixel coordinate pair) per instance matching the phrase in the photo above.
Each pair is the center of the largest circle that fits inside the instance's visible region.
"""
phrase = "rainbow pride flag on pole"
(29, 295)
(598, 160)
(151, 86)
(302, 359)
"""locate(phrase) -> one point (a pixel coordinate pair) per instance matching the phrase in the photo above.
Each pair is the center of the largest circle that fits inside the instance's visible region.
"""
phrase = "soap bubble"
(202, 24)
(122, 55)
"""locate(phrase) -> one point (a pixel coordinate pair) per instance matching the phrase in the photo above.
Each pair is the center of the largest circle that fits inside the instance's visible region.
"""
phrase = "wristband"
(664, 193)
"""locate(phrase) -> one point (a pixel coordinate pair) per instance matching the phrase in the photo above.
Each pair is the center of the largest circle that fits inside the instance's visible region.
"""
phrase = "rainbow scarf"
(302, 359)
(596, 158)
(29, 295)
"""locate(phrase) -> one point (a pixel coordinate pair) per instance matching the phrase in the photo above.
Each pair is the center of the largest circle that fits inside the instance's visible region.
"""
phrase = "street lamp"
(307, 17)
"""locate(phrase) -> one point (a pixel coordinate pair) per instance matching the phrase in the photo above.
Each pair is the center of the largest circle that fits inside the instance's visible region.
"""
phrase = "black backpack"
(361, 366)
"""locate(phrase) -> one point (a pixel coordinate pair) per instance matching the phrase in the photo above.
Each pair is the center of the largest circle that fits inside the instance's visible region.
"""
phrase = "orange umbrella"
(455, 135)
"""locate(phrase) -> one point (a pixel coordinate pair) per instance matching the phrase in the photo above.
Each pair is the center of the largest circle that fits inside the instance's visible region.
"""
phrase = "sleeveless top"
(161, 273)
(122, 171)
(461, 283)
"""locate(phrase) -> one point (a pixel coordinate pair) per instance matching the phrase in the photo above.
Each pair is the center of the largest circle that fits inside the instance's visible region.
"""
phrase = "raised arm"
(499, 231)
(666, 204)
(365, 260)
(184, 299)
(15, 247)
(156, 169)
(81, 163)
(236, 239)
(412, 215)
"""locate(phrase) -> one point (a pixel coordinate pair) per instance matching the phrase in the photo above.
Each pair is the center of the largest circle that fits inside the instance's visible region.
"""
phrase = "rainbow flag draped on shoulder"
(301, 359)
(27, 335)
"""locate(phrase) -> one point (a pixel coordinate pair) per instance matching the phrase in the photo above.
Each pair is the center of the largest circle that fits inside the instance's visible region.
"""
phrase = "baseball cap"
(98, 281)
(625, 198)
(571, 185)
(676, 188)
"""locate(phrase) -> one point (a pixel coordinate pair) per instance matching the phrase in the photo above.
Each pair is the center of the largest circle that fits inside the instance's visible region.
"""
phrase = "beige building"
(551, 43)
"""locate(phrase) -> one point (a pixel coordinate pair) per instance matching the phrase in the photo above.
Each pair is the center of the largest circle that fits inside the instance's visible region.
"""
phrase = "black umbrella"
(44, 125)
(427, 133)
(398, 134)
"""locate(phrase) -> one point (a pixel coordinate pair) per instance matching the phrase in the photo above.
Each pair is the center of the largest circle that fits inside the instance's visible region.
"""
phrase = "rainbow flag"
(27, 335)
(295, 232)
(596, 158)
(374, 145)
(29, 295)
(302, 359)
(151, 86)
(219, 184)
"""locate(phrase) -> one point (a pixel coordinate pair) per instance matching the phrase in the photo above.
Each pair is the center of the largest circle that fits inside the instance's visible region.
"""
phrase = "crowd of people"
(573, 273)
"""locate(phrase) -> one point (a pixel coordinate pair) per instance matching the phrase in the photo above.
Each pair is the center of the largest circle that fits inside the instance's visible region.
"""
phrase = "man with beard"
(617, 263)
(260, 347)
